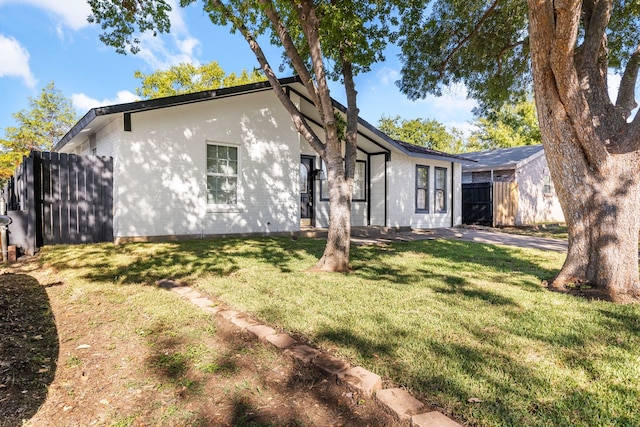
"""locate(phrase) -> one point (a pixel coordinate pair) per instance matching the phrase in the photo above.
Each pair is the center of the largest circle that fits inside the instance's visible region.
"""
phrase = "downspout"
(368, 194)
(387, 158)
(4, 236)
(453, 198)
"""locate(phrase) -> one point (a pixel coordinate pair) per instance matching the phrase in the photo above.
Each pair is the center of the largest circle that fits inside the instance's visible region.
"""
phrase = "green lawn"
(448, 320)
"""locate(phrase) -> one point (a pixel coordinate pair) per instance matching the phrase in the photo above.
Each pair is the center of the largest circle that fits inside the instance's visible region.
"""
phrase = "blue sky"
(45, 40)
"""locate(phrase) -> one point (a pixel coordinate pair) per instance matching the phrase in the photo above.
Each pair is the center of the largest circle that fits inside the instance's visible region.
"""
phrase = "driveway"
(484, 236)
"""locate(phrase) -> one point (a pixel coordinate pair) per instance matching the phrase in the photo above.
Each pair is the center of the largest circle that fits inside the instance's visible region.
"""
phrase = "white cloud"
(387, 75)
(178, 47)
(155, 52)
(84, 103)
(15, 61)
(74, 13)
(448, 107)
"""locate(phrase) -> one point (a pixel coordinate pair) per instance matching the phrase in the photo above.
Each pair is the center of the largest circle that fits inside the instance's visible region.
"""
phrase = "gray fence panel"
(61, 198)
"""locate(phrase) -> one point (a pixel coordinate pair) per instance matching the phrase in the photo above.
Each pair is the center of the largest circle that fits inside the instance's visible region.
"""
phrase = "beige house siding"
(534, 206)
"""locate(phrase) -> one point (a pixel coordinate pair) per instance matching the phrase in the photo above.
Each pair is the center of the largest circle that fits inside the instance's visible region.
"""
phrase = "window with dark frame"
(359, 182)
(440, 193)
(222, 174)
(422, 188)
(546, 187)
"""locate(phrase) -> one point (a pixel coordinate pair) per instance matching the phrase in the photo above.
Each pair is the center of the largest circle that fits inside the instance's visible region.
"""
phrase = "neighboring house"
(229, 161)
(534, 196)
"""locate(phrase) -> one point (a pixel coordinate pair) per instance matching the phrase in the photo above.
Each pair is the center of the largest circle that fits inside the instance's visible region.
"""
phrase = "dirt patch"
(69, 361)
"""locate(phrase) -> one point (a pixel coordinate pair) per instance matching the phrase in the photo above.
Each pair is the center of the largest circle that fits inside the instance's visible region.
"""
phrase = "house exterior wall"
(402, 199)
(378, 190)
(106, 141)
(161, 170)
(533, 205)
(160, 173)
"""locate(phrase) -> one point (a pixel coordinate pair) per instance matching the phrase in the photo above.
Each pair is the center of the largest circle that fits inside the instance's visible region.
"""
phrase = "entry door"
(306, 190)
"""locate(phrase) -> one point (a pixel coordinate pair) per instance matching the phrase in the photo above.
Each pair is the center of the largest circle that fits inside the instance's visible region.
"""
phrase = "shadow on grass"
(28, 347)
(371, 261)
(247, 383)
(150, 262)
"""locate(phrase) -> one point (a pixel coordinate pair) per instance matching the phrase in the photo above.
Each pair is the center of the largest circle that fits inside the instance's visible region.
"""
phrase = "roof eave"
(170, 101)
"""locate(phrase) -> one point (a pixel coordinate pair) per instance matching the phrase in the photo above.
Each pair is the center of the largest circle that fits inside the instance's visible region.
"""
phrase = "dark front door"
(306, 190)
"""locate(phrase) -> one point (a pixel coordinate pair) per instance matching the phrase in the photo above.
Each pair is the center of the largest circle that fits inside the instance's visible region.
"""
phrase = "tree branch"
(352, 117)
(290, 48)
(299, 122)
(507, 49)
(310, 25)
(595, 22)
(568, 85)
(468, 37)
(626, 101)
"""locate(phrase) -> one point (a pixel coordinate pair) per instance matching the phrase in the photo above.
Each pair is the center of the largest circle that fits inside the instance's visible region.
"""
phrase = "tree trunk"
(601, 211)
(336, 252)
(598, 185)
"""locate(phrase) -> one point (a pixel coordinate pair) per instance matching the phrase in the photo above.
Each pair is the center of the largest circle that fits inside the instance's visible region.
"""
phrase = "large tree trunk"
(601, 211)
(336, 252)
(595, 176)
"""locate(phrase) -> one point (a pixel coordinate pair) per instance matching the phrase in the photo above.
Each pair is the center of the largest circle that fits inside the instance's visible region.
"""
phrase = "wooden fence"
(56, 198)
(505, 203)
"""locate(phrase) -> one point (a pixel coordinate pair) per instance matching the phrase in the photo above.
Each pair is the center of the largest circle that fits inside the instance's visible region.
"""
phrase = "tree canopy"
(188, 78)
(428, 133)
(564, 50)
(512, 125)
(483, 45)
(39, 127)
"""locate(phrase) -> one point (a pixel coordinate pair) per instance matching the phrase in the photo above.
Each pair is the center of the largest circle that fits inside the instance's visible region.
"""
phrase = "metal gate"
(477, 203)
(56, 198)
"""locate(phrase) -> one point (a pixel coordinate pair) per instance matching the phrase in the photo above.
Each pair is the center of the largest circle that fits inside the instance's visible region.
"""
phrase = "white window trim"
(427, 195)
(445, 190)
(224, 207)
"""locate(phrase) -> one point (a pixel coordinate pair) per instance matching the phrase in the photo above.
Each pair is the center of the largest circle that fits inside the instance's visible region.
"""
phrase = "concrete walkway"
(489, 236)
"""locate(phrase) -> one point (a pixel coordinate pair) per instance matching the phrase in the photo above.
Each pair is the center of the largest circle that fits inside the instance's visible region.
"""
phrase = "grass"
(448, 320)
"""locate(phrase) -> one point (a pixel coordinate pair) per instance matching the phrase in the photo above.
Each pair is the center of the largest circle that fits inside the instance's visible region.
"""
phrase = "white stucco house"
(229, 161)
(536, 200)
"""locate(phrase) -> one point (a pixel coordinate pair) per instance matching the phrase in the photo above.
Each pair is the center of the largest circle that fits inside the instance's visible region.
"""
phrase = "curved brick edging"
(399, 402)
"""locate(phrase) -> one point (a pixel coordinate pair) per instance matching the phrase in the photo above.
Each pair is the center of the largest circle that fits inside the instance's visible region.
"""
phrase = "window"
(546, 187)
(422, 188)
(222, 174)
(359, 182)
(440, 199)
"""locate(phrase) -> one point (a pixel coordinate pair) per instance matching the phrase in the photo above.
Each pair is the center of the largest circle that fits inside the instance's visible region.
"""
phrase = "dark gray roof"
(417, 149)
(503, 158)
(171, 101)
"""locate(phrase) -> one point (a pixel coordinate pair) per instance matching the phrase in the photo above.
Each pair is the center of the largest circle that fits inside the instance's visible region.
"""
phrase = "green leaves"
(424, 132)
(509, 126)
(48, 119)
(121, 19)
(188, 78)
(483, 45)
